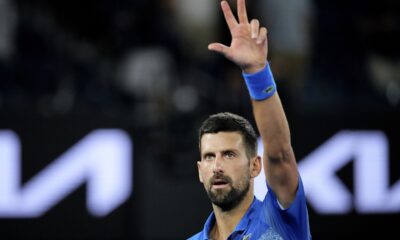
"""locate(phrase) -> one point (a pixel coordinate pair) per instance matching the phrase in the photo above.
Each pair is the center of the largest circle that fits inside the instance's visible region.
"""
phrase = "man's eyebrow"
(234, 150)
(221, 151)
(228, 150)
(207, 153)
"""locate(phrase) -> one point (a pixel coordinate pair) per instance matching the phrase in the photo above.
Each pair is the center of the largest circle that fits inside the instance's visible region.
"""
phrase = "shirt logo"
(247, 237)
(270, 234)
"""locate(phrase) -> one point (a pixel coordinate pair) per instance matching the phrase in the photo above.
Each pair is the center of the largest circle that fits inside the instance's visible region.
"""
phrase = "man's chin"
(224, 204)
(221, 193)
(219, 196)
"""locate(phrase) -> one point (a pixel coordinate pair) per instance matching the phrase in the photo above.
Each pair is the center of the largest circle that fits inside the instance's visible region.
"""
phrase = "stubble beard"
(228, 200)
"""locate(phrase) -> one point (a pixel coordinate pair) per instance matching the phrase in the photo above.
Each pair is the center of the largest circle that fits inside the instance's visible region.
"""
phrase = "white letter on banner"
(327, 194)
(103, 159)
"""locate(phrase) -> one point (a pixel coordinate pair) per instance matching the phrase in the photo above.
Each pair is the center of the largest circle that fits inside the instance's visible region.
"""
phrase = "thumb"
(219, 48)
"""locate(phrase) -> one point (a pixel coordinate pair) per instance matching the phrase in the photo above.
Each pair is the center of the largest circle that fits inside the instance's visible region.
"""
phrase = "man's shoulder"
(196, 236)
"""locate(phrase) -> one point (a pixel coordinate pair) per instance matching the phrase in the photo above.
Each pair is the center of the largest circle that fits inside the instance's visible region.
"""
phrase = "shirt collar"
(244, 222)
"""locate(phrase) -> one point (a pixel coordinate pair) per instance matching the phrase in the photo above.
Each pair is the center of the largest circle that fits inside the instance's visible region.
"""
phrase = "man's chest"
(259, 231)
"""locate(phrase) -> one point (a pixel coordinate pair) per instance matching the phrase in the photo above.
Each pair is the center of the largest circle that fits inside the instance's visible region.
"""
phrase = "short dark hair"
(229, 122)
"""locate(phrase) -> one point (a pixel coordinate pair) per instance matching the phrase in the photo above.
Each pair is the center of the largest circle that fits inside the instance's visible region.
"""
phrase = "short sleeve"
(290, 223)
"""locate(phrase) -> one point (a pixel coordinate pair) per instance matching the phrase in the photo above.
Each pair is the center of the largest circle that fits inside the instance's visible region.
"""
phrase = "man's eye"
(230, 154)
(208, 157)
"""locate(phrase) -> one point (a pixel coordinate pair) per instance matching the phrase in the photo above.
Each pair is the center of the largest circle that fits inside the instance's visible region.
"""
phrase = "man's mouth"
(219, 184)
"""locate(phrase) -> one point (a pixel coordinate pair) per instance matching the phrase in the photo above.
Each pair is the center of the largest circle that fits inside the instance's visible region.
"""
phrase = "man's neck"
(226, 221)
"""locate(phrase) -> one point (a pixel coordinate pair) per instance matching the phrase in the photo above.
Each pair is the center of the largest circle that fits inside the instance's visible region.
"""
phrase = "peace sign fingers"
(230, 18)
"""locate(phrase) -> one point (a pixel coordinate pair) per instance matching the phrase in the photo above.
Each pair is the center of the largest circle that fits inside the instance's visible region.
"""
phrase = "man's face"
(224, 169)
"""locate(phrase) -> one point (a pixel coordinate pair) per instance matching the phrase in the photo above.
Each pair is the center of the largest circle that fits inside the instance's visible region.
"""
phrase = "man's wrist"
(261, 84)
(254, 68)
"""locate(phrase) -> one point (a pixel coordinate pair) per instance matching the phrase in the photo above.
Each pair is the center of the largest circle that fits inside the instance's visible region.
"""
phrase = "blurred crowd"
(147, 60)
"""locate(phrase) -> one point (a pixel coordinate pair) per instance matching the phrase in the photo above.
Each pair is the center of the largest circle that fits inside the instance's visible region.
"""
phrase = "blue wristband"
(261, 85)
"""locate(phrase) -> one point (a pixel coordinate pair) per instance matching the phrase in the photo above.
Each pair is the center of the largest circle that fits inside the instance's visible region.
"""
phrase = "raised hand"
(249, 46)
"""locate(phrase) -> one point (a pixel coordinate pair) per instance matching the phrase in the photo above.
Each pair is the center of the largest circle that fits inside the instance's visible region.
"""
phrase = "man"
(228, 148)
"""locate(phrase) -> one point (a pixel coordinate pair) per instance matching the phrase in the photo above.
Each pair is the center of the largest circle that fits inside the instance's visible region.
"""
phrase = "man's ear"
(198, 169)
(255, 167)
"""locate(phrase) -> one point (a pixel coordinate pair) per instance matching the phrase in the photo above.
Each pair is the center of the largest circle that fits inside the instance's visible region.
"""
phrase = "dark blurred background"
(70, 67)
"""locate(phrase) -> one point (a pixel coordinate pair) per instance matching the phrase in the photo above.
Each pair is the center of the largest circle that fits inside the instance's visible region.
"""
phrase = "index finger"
(242, 12)
(229, 17)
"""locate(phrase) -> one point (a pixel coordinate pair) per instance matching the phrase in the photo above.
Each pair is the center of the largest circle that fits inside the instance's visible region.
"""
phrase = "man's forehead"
(221, 140)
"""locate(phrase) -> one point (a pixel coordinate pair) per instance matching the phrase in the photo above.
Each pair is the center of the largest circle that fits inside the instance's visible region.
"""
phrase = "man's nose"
(218, 165)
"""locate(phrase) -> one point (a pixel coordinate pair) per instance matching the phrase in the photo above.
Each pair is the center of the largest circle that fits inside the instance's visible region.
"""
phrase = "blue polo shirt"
(267, 220)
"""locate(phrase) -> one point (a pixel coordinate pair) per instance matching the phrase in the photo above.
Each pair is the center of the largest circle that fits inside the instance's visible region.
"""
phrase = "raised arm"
(249, 49)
